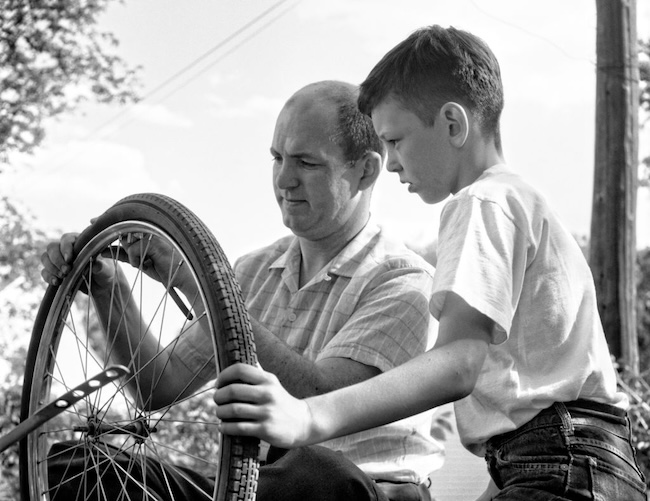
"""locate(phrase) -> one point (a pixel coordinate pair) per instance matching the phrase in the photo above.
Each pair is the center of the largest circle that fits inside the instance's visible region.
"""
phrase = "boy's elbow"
(468, 368)
(466, 384)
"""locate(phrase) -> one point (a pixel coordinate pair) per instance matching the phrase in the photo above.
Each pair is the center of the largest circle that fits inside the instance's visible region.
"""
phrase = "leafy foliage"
(52, 57)
(644, 103)
(637, 385)
(21, 290)
(637, 388)
(643, 309)
(644, 75)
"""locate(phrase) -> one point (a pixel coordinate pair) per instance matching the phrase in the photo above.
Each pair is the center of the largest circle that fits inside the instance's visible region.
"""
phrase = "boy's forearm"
(439, 376)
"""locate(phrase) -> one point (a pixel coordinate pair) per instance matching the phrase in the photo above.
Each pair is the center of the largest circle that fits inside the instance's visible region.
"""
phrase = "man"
(333, 304)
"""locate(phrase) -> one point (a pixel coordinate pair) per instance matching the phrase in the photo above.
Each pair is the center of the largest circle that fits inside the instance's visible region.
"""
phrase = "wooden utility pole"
(613, 220)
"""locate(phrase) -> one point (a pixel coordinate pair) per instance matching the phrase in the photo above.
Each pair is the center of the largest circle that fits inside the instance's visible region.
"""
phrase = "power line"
(195, 62)
(228, 52)
(532, 34)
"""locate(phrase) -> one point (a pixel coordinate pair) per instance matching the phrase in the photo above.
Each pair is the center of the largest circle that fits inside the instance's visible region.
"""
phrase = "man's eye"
(307, 165)
(276, 158)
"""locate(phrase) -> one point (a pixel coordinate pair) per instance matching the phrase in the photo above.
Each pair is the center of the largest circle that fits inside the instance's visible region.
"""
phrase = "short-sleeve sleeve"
(390, 323)
(482, 258)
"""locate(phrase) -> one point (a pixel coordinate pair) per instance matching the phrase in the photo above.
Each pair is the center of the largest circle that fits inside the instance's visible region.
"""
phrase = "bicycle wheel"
(120, 442)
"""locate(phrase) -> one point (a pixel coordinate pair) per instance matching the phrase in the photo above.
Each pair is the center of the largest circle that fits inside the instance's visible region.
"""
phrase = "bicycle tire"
(66, 316)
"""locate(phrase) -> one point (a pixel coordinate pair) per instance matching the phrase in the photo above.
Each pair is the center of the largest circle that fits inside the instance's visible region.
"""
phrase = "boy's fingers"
(240, 412)
(243, 428)
(241, 373)
(238, 392)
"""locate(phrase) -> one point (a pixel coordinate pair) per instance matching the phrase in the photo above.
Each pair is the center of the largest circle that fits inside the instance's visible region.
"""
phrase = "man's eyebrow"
(299, 154)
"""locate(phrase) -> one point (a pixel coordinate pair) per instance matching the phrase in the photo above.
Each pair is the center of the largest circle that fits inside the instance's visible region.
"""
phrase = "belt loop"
(567, 423)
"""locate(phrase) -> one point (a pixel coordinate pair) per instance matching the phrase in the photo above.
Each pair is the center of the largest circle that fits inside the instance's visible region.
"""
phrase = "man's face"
(313, 183)
(418, 153)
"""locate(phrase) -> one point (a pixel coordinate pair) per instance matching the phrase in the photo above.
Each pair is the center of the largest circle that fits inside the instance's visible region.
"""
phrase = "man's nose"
(285, 175)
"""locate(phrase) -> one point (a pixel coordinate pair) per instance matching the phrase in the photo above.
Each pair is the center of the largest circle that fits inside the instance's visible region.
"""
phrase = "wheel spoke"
(110, 441)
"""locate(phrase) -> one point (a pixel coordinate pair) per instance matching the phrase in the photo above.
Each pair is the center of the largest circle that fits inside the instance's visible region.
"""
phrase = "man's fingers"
(49, 277)
(67, 246)
(56, 261)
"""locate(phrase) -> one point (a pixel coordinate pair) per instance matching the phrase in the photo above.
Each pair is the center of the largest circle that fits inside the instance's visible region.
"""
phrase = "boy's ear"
(457, 123)
(370, 163)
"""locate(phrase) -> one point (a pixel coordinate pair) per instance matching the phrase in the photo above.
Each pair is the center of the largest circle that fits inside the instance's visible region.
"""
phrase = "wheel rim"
(110, 417)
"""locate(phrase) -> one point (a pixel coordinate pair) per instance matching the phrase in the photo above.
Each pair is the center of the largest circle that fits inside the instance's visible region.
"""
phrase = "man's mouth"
(293, 202)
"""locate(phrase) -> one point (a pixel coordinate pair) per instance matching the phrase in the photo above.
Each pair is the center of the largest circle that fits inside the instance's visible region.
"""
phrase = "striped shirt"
(369, 304)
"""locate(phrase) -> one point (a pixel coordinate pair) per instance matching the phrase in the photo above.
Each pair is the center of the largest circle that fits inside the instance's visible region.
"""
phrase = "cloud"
(66, 185)
(158, 114)
(251, 107)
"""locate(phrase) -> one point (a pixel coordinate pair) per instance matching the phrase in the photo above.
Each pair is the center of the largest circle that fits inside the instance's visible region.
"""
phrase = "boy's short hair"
(436, 65)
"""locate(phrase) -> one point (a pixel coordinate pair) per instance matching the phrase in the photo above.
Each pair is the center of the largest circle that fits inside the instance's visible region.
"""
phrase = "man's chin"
(298, 226)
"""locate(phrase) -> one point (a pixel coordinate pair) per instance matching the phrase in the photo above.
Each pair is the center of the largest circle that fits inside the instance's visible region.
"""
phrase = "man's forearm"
(301, 377)
(127, 342)
(158, 379)
(298, 375)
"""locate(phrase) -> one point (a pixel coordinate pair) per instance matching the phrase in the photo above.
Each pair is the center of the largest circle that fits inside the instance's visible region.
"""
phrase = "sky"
(214, 79)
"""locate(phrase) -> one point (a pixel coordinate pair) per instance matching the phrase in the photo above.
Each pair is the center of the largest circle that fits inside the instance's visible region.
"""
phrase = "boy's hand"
(252, 402)
(491, 491)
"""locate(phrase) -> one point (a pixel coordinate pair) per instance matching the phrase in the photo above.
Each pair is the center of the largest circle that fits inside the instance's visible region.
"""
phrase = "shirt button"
(327, 278)
(292, 317)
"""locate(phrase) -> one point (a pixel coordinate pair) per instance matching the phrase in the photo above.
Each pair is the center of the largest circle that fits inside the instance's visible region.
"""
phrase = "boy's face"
(418, 153)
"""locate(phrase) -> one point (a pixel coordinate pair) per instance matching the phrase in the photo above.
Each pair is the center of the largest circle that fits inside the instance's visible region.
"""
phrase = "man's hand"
(57, 261)
(158, 259)
(252, 402)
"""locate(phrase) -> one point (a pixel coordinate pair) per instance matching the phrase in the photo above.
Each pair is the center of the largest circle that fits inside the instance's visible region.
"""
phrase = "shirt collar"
(345, 263)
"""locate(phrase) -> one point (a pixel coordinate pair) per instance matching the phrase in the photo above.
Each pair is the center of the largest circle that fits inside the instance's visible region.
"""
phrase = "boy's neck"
(477, 158)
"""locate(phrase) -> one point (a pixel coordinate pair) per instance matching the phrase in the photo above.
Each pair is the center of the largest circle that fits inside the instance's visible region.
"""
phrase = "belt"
(590, 408)
(405, 491)
(596, 409)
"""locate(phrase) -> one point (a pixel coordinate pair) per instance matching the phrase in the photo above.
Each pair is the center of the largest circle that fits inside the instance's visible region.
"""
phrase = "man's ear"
(457, 123)
(370, 163)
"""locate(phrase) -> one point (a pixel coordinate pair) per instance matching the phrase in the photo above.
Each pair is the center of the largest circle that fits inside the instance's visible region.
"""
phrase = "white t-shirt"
(506, 254)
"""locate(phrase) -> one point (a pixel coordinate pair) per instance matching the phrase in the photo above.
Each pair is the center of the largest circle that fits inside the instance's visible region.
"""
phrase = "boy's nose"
(392, 165)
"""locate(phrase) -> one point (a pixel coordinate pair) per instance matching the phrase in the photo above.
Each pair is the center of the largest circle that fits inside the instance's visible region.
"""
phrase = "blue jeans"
(571, 451)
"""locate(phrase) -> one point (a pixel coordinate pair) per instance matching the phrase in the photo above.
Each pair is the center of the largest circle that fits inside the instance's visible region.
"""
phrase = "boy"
(520, 349)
